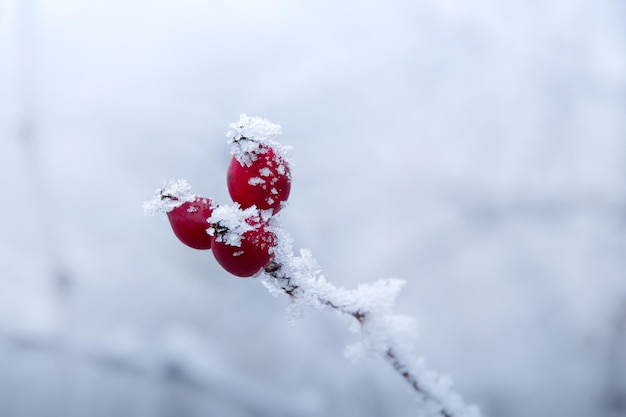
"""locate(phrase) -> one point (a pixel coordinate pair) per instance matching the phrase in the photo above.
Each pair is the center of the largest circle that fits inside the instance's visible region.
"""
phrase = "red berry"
(262, 178)
(189, 222)
(254, 252)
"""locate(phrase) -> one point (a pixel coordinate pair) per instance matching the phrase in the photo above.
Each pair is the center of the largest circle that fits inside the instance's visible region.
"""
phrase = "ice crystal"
(253, 136)
(255, 128)
(256, 181)
(173, 193)
(230, 222)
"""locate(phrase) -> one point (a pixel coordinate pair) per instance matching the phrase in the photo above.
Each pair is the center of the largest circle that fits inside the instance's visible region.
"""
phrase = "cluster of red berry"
(240, 236)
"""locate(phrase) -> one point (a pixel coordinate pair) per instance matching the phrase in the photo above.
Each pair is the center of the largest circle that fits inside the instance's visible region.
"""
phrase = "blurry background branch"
(177, 360)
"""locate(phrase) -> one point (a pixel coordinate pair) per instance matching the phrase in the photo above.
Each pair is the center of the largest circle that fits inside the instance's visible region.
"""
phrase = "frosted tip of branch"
(377, 297)
(173, 193)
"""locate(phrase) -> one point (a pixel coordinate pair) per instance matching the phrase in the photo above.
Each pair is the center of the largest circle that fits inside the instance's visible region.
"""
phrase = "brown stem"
(243, 138)
(396, 363)
(168, 196)
(390, 355)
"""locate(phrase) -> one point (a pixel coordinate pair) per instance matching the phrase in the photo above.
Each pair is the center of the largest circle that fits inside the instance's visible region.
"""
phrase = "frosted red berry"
(189, 222)
(254, 252)
(263, 179)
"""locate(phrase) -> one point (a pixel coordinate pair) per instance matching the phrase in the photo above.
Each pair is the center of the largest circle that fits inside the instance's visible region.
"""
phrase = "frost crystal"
(231, 222)
(172, 194)
(255, 128)
(251, 136)
(256, 181)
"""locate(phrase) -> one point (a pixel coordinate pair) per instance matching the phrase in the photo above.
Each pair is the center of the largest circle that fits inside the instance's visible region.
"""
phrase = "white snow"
(256, 181)
(251, 136)
(173, 193)
(256, 128)
(229, 222)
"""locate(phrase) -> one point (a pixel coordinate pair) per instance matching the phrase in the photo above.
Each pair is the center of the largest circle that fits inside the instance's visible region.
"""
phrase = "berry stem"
(243, 139)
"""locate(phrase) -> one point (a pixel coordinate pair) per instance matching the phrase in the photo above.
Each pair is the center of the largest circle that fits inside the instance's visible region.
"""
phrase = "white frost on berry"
(256, 128)
(173, 193)
(256, 181)
(248, 133)
(228, 223)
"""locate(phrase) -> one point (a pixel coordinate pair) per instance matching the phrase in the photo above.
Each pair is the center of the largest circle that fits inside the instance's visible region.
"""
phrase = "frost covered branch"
(368, 309)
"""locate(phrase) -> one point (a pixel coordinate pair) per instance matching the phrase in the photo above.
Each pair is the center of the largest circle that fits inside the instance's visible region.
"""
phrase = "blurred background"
(475, 149)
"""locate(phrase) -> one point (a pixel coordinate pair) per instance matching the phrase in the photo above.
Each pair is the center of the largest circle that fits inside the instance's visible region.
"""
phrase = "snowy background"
(475, 149)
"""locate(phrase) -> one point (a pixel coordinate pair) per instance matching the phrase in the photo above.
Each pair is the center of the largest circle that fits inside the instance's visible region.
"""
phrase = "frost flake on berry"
(173, 193)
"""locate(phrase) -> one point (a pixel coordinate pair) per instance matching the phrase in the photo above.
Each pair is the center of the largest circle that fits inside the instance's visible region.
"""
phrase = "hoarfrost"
(256, 181)
(229, 223)
(251, 136)
(173, 193)
(255, 128)
(368, 308)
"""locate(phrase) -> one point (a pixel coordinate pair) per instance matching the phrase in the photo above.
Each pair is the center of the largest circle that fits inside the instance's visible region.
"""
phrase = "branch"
(299, 278)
